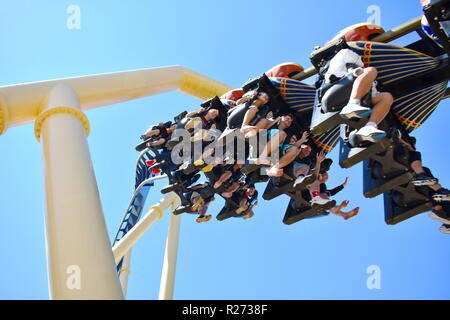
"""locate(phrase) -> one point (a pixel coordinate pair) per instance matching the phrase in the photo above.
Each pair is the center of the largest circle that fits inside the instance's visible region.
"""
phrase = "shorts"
(285, 147)
(298, 165)
(271, 133)
(414, 156)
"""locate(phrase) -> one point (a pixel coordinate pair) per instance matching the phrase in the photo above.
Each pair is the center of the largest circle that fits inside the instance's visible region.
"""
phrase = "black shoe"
(445, 228)
(423, 180)
(442, 195)
(182, 209)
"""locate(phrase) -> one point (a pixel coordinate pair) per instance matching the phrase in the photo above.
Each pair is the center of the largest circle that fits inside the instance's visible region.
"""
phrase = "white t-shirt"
(338, 65)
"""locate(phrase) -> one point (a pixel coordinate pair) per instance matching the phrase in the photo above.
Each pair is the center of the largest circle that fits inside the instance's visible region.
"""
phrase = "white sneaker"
(439, 217)
(445, 228)
(354, 110)
(370, 133)
(299, 180)
(319, 201)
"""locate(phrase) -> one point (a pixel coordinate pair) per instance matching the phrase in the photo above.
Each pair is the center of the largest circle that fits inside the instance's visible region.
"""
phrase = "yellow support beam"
(386, 37)
(22, 103)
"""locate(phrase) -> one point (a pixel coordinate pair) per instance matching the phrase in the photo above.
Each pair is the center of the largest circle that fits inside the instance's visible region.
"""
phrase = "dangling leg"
(286, 159)
(273, 143)
(382, 102)
(361, 86)
(224, 177)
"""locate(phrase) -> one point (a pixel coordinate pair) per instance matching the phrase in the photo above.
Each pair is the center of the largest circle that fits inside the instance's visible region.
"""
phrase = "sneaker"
(302, 181)
(298, 182)
(370, 133)
(440, 216)
(445, 228)
(274, 172)
(423, 180)
(184, 165)
(199, 163)
(199, 135)
(181, 209)
(204, 218)
(442, 195)
(353, 110)
(208, 168)
(318, 201)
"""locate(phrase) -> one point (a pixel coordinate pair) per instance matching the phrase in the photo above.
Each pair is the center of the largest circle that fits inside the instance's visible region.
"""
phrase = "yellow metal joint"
(125, 270)
(157, 208)
(3, 115)
(57, 110)
(200, 86)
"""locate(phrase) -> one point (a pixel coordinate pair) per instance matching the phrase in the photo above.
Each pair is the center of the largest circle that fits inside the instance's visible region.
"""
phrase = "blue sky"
(230, 41)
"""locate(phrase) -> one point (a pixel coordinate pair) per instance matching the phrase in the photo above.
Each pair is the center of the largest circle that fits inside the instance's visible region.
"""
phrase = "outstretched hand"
(345, 182)
(304, 137)
(320, 157)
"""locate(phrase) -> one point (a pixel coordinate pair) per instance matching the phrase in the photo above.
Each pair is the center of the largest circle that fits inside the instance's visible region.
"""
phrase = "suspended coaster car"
(417, 76)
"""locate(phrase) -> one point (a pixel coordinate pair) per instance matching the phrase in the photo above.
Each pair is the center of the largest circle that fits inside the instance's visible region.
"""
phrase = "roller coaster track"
(143, 182)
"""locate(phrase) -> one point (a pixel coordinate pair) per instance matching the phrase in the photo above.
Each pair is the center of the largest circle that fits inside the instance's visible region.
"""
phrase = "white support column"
(154, 213)
(125, 272)
(80, 260)
(170, 256)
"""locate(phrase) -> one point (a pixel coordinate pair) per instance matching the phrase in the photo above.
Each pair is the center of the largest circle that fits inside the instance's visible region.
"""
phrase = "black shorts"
(414, 156)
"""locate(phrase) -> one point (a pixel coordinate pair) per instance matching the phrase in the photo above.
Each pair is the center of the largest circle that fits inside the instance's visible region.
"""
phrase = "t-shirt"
(338, 64)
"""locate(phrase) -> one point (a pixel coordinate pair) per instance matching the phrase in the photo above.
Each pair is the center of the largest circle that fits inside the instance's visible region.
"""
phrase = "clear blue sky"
(230, 41)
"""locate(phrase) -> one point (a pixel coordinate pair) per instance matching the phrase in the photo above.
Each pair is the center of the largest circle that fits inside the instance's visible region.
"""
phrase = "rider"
(160, 133)
(302, 164)
(289, 152)
(347, 61)
(423, 178)
(199, 204)
(327, 193)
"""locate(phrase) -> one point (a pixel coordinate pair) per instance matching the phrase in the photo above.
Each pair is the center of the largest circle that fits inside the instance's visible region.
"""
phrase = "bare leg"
(337, 209)
(224, 177)
(382, 104)
(230, 190)
(436, 187)
(151, 133)
(350, 214)
(263, 123)
(249, 115)
(363, 83)
(273, 144)
(346, 215)
(417, 167)
(288, 157)
(285, 160)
